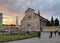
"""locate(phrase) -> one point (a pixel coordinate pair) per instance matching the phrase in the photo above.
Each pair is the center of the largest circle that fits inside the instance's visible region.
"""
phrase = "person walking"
(51, 34)
(59, 33)
(39, 34)
(55, 32)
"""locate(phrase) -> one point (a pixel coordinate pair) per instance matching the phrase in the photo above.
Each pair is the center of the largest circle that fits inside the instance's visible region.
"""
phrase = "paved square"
(44, 39)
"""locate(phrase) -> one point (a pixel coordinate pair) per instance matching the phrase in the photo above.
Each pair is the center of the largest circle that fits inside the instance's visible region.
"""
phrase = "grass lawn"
(13, 37)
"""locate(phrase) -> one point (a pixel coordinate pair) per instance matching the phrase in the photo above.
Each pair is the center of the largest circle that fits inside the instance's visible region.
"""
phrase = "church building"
(32, 21)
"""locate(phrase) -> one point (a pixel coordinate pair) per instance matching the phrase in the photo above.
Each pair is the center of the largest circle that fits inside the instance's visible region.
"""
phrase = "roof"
(44, 18)
(41, 16)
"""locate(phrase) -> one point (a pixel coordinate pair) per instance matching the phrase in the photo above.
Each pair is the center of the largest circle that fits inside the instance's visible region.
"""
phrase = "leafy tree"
(52, 21)
(48, 23)
(56, 22)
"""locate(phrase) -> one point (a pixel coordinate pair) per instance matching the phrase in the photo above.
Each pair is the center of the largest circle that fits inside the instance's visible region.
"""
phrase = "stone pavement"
(44, 39)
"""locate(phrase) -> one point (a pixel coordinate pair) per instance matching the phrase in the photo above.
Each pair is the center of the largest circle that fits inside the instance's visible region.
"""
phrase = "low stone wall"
(44, 28)
(51, 28)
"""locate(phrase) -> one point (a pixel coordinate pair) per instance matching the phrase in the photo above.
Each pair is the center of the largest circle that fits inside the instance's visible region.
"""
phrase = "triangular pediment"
(29, 9)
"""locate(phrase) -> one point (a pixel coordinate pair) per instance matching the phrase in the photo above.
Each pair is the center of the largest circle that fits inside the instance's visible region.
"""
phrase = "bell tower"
(38, 12)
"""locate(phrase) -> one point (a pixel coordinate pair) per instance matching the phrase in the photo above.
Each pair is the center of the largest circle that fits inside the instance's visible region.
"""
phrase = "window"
(29, 17)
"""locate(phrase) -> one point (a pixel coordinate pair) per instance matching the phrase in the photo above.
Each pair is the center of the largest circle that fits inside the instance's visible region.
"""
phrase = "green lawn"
(13, 37)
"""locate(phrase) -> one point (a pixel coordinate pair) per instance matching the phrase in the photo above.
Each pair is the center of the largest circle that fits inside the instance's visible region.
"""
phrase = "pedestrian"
(55, 32)
(39, 34)
(59, 33)
(51, 34)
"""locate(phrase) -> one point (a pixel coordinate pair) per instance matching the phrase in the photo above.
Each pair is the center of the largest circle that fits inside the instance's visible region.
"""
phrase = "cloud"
(48, 8)
(10, 16)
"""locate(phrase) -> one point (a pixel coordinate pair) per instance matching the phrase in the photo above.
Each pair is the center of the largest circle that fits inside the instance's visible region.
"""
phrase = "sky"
(13, 8)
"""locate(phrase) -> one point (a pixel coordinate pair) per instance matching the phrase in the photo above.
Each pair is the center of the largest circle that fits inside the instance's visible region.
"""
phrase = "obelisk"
(16, 21)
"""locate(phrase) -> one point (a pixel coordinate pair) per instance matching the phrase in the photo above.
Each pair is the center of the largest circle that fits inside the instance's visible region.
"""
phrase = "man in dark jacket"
(51, 34)
(59, 33)
(39, 34)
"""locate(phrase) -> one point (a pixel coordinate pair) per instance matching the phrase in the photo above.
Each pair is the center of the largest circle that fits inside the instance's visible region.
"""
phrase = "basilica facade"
(32, 21)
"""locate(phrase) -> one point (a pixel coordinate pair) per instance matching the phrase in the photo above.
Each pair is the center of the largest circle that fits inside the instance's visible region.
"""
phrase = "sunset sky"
(13, 8)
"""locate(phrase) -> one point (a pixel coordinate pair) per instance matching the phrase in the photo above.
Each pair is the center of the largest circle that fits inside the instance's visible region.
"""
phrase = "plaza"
(44, 39)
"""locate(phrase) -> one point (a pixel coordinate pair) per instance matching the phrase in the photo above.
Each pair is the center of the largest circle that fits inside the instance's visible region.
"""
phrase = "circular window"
(29, 17)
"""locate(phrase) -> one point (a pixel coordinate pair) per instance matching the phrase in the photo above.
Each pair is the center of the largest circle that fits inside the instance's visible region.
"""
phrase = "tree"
(48, 23)
(56, 22)
(52, 21)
